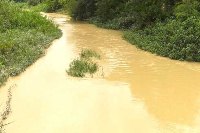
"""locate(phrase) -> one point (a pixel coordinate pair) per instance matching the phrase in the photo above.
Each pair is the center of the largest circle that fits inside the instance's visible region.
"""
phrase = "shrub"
(187, 9)
(33, 2)
(54, 5)
(81, 9)
(177, 39)
(42, 7)
(23, 38)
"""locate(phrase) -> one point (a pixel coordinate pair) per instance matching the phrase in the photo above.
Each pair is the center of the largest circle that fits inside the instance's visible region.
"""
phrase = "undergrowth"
(84, 65)
(41, 7)
(45, 6)
(178, 38)
(167, 28)
(23, 38)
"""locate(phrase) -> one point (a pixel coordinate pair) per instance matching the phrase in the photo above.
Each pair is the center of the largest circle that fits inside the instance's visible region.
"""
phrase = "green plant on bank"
(23, 5)
(178, 38)
(23, 38)
(41, 5)
(168, 28)
(84, 65)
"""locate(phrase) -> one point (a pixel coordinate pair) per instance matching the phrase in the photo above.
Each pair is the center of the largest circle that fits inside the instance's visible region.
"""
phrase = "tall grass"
(23, 38)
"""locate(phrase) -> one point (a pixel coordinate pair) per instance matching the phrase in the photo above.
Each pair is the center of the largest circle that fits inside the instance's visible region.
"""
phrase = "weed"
(78, 68)
(23, 38)
(84, 65)
(7, 110)
(88, 54)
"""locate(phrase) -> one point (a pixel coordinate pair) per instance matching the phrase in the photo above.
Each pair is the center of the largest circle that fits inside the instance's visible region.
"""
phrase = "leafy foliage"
(23, 38)
(178, 38)
(81, 9)
(33, 2)
(41, 7)
(122, 14)
(166, 27)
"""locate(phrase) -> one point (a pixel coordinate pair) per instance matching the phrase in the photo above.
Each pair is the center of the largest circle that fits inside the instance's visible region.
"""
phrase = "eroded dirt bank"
(140, 92)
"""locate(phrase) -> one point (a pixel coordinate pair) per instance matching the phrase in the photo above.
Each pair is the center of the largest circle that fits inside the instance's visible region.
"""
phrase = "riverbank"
(120, 102)
(166, 28)
(24, 36)
(177, 37)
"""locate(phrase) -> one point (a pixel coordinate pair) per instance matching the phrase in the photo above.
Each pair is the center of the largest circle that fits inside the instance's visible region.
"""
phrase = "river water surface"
(135, 92)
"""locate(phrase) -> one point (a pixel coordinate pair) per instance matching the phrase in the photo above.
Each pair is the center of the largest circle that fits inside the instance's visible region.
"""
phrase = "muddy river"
(134, 92)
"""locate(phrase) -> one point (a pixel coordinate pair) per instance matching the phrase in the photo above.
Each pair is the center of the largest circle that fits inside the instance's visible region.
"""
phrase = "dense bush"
(186, 10)
(20, 0)
(81, 9)
(120, 13)
(41, 7)
(178, 38)
(34, 2)
(46, 5)
(52, 5)
(23, 38)
(167, 27)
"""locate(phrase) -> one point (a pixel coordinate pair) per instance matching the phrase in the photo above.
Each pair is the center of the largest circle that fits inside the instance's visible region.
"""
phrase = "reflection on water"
(141, 92)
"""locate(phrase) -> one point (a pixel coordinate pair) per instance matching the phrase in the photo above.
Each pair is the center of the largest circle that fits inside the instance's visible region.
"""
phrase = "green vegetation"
(41, 5)
(78, 68)
(23, 38)
(84, 65)
(177, 38)
(168, 28)
(88, 54)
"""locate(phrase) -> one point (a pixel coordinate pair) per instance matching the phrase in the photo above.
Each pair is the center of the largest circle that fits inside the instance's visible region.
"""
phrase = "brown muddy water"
(137, 92)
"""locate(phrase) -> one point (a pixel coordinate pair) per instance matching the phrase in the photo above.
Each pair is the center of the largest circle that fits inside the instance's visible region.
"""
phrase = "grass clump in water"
(88, 54)
(84, 65)
(78, 68)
